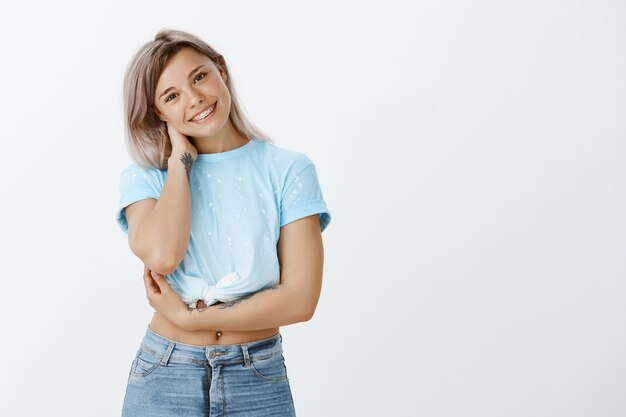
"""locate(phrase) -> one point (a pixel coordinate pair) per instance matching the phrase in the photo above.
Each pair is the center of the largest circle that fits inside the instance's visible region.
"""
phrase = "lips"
(202, 111)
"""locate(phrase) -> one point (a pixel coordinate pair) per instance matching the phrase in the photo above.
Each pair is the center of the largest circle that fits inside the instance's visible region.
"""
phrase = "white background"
(473, 157)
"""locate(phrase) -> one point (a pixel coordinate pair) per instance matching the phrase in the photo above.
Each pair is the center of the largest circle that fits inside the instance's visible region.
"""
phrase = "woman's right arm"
(158, 230)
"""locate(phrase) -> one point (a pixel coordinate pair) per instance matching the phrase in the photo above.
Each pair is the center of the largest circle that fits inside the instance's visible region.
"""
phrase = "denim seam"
(144, 373)
(222, 392)
(268, 378)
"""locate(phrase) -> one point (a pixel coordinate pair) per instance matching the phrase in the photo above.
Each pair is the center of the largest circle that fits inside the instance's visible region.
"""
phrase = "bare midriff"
(206, 337)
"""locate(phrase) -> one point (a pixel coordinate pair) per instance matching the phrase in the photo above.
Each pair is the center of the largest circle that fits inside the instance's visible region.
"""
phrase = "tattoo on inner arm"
(238, 300)
(187, 161)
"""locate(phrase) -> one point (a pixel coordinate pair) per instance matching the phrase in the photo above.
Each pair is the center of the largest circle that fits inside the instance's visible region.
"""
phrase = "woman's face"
(189, 84)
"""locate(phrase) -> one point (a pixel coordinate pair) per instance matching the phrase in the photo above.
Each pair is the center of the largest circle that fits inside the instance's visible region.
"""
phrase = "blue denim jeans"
(172, 379)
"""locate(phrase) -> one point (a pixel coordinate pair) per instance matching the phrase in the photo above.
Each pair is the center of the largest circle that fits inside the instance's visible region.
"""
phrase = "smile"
(205, 114)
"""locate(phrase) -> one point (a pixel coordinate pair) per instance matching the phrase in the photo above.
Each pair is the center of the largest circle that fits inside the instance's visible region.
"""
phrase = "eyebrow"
(193, 71)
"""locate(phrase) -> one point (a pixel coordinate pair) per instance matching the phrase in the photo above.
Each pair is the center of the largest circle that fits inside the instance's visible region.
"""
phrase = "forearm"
(268, 308)
(164, 234)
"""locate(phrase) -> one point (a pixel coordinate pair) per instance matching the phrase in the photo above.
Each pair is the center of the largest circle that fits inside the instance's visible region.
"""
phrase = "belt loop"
(170, 347)
(246, 357)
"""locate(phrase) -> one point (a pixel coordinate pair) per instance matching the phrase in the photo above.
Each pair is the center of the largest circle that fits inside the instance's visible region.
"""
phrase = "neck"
(225, 140)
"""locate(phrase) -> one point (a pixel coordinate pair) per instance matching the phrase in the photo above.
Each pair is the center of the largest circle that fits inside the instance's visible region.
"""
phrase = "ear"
(220, 63)
(159, 115)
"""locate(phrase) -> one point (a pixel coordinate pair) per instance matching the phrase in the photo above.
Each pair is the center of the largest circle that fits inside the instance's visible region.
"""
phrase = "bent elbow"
(308, 307)
(168, 266)
(157, 259)
(161, 264)
(307, 315)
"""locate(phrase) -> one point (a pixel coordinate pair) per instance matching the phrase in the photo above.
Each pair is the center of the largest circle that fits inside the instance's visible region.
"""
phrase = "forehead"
(178, 66)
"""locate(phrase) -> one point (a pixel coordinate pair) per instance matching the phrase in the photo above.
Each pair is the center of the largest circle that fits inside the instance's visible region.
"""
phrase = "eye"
(195, 78)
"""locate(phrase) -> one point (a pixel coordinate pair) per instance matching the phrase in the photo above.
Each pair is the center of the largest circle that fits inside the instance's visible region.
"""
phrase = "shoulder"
(285, 160)
(136, 170)
(135, 175)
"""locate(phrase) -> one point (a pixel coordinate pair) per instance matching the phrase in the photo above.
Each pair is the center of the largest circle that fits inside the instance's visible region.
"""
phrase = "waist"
(168, 330)
(173, 352)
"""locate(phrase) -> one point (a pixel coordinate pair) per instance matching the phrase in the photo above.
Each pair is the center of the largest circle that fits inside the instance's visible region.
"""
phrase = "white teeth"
(204, 113)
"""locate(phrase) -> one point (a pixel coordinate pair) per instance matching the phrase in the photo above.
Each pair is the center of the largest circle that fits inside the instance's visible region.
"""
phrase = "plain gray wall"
(472, 154)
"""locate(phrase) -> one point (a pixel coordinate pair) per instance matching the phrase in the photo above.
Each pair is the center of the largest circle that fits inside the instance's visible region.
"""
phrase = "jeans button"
(212, 354)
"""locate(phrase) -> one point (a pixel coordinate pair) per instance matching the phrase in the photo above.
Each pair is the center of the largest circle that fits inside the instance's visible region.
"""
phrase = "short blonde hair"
(146, 135)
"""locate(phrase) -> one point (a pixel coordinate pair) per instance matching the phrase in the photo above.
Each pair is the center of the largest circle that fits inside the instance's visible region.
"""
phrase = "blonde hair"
(146, 135)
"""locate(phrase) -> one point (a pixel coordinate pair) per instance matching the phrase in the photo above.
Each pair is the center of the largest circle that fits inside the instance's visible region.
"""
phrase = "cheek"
(219, 89)
(165, 114)
(176, 114)
(224, 103)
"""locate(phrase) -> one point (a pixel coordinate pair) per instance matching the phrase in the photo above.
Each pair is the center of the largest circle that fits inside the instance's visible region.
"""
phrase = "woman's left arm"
(301, 258)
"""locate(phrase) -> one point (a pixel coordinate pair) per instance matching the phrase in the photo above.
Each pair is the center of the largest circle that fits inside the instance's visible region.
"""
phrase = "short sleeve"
(136, 183)
(302, 196)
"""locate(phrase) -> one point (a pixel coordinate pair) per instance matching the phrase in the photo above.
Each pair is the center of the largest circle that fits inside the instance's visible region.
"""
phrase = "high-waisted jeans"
(172, 379)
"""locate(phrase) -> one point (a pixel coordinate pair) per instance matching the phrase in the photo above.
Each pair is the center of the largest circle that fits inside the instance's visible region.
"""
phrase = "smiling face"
(189, 84)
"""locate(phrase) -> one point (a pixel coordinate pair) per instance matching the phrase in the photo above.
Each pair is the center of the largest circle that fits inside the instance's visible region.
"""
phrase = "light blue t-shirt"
(239, 200)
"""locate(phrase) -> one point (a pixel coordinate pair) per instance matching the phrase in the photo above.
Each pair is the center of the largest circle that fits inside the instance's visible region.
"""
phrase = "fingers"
(152, 287)
(160, 281)
(146, 273)
(149, 284)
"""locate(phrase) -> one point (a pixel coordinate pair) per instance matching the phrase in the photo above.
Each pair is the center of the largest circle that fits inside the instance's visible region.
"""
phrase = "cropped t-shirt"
(239, 201)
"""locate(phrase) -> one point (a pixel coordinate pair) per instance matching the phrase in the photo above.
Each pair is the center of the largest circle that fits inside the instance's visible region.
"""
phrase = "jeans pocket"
(270, 369)
(144, 363)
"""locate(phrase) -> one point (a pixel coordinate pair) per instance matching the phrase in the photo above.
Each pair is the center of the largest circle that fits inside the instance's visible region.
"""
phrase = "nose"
(196, 99)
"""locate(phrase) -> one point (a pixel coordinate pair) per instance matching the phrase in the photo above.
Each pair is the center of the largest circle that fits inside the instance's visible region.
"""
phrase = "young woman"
(228, 226)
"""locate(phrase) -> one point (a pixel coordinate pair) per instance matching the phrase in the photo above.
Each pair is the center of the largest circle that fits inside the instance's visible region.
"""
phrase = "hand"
(164, 300)
(180, 142)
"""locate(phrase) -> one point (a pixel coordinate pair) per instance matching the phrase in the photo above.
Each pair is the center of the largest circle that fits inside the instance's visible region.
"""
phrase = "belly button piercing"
(218, 334)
